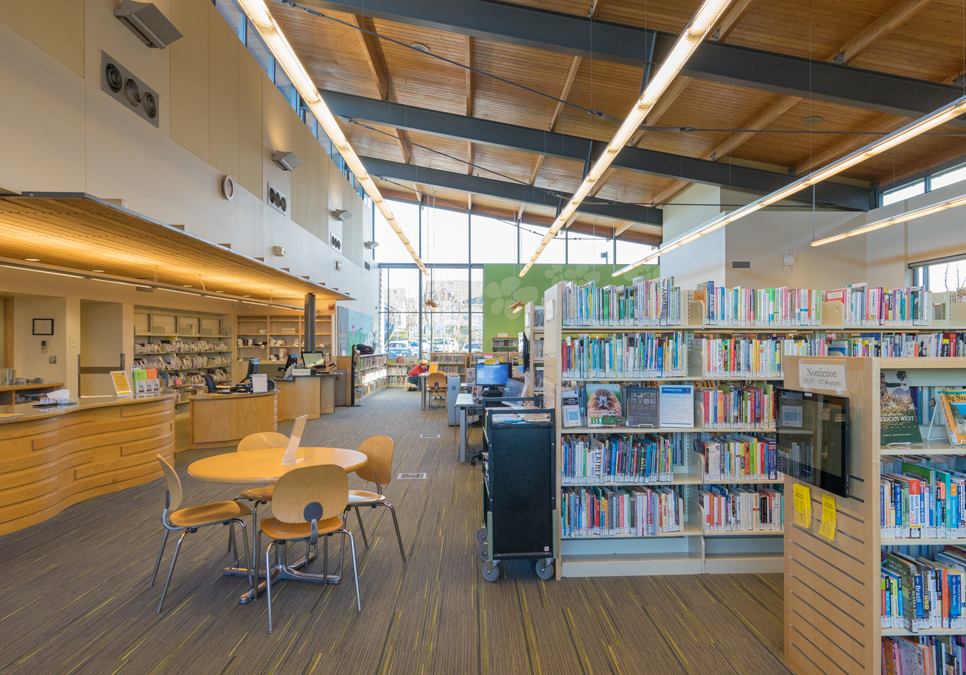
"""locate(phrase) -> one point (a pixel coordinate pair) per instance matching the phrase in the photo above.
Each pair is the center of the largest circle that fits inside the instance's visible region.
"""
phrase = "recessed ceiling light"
(219, 291)
(101, 271)
(32, 259)
(186, 286)
(246, 296)
(812, 120)
(419, 46)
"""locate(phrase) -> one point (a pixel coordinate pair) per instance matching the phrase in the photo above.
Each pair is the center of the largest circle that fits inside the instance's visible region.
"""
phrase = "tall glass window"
(586, 249)
(391, 249)
(399, 319)
(530, 237)
(445, 235)
(493, 240)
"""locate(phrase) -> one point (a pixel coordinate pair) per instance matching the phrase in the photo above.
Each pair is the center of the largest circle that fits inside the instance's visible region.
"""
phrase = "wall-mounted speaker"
(335, 242)
(128, 90)
(277, 199)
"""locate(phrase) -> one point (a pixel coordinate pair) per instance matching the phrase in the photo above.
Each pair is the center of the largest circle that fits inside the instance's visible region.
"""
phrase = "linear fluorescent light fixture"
(908, 132)
(901, 218)
(701, 23)
(263, 21)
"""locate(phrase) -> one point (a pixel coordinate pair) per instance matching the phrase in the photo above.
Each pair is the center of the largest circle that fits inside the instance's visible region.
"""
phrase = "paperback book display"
(923, 593)
(644, 303)
(952, 403)
(620, 458)
(742, 306)
(751, 357)
(636, 511)
(744, 406)
(864, 306)
(632, 355)
(739, 458)
(643, 407)
(604, 405)
(897, 413)
(739, 509)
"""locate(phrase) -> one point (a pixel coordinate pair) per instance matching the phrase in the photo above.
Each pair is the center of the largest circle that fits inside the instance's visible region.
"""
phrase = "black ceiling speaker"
(150, 105)
(114, 79)
(132, 92)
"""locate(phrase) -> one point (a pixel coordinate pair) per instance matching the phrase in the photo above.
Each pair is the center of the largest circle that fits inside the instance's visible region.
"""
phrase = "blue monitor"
(494, 375)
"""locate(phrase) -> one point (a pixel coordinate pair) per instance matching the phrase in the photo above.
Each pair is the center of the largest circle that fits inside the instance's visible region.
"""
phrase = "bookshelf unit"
(273, 337)
(397, 371)
(183, 346)
(451, 363)
(369, 374)
(840, 578)
(533, 325)
(505, 344)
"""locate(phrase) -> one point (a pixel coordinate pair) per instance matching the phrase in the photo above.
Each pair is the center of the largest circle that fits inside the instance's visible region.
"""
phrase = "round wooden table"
(260, 467)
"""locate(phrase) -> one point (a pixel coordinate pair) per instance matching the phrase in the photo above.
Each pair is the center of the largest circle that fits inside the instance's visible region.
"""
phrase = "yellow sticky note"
(827, 528)
(803, 506)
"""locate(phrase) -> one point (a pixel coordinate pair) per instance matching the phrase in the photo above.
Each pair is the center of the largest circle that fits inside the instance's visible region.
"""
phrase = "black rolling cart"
(519, 505)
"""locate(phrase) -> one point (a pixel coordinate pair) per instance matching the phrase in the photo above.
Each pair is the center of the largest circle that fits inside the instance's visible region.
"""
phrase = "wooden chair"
(437, 386)
(308, 503)
(191, 519)
(378, 470)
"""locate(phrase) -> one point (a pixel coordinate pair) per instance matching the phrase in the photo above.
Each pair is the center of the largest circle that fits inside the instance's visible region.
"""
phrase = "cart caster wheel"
(483, 553)
(472, 462)
(491, 571)
(481, 535)
(544, 568)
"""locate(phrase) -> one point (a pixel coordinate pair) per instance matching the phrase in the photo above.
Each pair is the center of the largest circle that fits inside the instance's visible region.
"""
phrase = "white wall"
(29, 359)
(702, 260)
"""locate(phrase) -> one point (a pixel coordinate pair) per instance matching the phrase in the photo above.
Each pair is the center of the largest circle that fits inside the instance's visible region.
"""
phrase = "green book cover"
(604, 405)
(898, 422)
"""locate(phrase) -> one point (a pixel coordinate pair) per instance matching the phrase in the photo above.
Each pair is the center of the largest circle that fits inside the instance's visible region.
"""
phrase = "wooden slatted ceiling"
(87, 234)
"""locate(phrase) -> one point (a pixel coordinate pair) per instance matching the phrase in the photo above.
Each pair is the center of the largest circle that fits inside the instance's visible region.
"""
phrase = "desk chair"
(210, 383)
(191, 519)
(378, 470)
(303, 504)
(436, 383)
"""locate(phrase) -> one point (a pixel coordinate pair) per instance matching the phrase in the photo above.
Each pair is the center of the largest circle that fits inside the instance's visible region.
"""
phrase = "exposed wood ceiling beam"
(374, 62)
(554, 144)
(622, 228)
(621, 43)
(732, 18)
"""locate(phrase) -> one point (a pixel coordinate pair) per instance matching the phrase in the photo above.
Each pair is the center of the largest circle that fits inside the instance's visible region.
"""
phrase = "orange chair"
(437, 386)
(378, 470)
(191, 519)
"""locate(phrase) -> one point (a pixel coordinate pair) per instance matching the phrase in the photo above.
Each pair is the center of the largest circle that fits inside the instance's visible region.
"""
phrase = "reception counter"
(310, 395)
(224, 419)
(53, 457)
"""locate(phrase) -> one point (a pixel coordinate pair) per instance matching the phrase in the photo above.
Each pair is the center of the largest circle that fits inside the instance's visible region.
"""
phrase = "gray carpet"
(74, 595)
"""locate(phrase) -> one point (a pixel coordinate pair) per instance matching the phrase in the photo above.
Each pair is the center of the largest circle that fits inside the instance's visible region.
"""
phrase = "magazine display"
(952, 402)
(898, 420)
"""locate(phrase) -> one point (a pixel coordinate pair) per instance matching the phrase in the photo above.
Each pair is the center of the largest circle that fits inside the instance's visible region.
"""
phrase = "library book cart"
(833, 593)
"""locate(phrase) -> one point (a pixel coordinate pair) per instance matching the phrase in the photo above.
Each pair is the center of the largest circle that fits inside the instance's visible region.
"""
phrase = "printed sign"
(822, 376)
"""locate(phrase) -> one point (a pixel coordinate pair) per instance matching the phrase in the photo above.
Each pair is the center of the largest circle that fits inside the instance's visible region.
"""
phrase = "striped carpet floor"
(74, 595)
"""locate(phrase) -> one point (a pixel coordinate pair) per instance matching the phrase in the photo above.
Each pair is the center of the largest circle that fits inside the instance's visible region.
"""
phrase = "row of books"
(638, 511)
(920, 593)
(536, 348)
(738, 509)
(924, 655)
(732, 406)
(438, 357)
(180, 346)
(620, 458)
(905, 345)
(645, 302)
(865, 306)
(752, 357)
(921, 499)
(741, 306)
(624, 355)
(611, 405)
(739, 458)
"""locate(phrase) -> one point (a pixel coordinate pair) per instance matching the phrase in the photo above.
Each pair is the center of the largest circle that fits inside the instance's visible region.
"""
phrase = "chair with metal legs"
(308, 503)
(191, 519)
(378, 470)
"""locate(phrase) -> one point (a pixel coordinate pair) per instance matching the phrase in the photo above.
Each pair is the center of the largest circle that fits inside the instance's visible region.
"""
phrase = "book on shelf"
(923, 498)
(897, 413)
(877, 306)
(604, 405)
(619, 458)
(642, 405)
(924, 655)
(742, 306)
(737, 406)
(645, 302)
(570, 408)
(739, 457)
(635, 510)
(629, 355)
(759, 356)
(737, 509)
(952, 404)
(924, 593)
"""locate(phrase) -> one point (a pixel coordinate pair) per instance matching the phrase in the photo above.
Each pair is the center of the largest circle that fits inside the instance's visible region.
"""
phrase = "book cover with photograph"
(897, 412)
(952, 402)
(642, 407)
(604, 405)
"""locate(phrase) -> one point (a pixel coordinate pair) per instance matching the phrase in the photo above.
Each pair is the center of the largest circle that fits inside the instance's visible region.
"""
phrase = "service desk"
(311, 395)
(53, 457)
(223, 419)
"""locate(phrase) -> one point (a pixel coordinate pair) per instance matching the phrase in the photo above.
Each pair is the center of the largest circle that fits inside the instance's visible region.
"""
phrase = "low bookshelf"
(369, 374)
(451, 363)
(397, 370)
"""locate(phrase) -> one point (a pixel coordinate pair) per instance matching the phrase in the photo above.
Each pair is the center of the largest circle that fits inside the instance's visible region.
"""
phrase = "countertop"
(27, 411)
(225, 397)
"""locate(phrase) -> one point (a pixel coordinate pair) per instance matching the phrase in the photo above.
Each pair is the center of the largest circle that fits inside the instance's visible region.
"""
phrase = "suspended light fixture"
(516, 307)
(908, 132)
(263, 21)
(701, 23)
(901, 218)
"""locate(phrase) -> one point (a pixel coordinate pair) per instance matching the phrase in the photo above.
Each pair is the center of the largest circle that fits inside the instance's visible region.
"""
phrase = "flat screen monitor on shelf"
(311, 359)
(252, 368)
(494, 375)
(814, 439)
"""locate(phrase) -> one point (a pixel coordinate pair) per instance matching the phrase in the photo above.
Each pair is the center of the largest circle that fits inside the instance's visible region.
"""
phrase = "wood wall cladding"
(49, 463)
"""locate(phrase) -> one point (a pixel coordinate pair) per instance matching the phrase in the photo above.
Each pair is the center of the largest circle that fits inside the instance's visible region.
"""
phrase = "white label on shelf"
(548, 310)
(499, 335)
(822, 376)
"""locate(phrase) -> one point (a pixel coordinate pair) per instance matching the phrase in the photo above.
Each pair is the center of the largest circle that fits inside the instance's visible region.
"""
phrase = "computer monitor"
(311, 359)
(494, 375)
(252, 368)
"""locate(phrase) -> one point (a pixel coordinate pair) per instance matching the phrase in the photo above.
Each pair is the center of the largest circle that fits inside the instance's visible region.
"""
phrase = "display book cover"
(604, 405)
(897, 414)
(952, 403)
(642, 407)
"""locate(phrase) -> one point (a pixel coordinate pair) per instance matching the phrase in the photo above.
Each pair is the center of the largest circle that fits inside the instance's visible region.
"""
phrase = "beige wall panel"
(189, 76)
(56, 26)
(310, 170)
(223, 101)
(297, 178)
(250, 76)
(322, 194)
(352, 230)
(279, 132)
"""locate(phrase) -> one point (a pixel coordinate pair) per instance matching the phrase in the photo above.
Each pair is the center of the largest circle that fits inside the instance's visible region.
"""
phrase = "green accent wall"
(502, 287)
